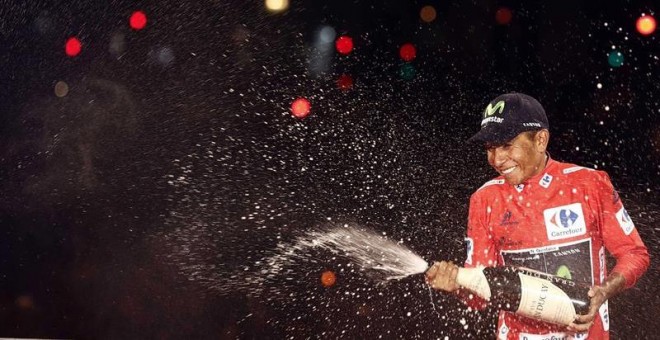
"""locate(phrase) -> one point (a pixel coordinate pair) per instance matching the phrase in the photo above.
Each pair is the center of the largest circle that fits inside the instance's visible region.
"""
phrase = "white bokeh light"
(277, 5)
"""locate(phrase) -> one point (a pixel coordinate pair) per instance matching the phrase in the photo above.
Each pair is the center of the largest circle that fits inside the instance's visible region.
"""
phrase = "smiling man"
(546, 215)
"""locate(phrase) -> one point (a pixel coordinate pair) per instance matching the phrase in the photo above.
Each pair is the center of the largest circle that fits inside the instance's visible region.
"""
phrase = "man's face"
(519, 159)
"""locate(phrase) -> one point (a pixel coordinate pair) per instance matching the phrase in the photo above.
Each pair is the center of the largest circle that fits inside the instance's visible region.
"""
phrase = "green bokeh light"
(615, 58)
(407, 71)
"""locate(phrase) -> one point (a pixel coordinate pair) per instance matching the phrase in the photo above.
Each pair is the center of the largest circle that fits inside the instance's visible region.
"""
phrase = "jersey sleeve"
(480, 241)
(481, 250)
(620, 237)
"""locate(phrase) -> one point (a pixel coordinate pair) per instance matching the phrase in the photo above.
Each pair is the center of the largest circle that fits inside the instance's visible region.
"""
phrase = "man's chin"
(512, 181)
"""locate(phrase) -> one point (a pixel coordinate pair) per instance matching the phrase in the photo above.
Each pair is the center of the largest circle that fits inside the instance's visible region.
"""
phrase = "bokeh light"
(61, 89)
(427, 13)
(277, 5)
(25, 302)
(646, 25)
(300, 107)
(72, 47)
(407, 71)
(138, 20)
(162, 55)
(344, 45)
(328, 278)
(615, 58)
(503, 16)
(407, 52)
(327, 35)
(117, 44)
(345, 82)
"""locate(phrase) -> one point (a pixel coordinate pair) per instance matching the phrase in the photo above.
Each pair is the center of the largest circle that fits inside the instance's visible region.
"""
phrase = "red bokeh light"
(345, 82)
(344, 44)
(300, 107)
(503, 16)
(407, 52)
(72, 47)
(138, 20)
(646, 25)
(328, 278)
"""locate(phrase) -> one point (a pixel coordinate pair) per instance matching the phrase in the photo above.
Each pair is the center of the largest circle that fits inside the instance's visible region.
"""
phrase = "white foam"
(376, 255)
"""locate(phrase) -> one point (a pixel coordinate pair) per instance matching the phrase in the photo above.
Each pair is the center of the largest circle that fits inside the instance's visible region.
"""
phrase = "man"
(545, 215)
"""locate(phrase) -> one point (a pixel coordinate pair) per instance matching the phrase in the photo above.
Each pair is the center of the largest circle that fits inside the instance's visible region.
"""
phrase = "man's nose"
(500, 156)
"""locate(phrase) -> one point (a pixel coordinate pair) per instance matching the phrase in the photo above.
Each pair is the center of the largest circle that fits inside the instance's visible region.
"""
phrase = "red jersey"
(559, 222)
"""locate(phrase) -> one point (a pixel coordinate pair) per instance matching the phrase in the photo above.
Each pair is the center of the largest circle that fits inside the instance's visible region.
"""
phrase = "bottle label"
(474, 280)
(540, 299)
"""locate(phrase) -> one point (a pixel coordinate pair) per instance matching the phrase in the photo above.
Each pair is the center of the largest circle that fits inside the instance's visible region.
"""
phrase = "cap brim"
(494, 134)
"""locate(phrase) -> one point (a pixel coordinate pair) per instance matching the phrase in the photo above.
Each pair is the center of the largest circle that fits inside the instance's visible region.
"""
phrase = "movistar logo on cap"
(491, 109)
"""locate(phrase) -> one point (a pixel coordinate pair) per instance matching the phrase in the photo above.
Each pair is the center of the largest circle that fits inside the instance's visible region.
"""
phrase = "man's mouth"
(509, 170)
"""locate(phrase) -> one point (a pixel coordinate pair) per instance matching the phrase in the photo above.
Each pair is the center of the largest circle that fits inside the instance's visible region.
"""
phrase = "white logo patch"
(624, 221)
(565, 221)
(604, 316)
(545, 181)
(503, 332)
(491, 182)
(580, 336)
(470, 249)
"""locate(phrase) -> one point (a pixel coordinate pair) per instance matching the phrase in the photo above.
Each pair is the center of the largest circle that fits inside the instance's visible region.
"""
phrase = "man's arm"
(622, 240)
(620, 236)
(481, 251)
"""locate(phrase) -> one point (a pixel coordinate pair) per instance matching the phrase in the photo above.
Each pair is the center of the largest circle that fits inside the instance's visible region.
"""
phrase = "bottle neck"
(474, 280)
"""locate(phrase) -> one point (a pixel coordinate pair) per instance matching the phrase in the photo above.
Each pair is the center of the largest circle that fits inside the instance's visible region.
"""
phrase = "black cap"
(507, 116)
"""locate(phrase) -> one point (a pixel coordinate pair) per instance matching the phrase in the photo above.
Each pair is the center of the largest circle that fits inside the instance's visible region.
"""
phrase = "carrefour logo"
(564, 218)
(564, 221)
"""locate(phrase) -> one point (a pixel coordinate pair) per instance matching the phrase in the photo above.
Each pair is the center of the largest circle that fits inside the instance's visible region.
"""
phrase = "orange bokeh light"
(300, 107)
(427, 13)
(328, 278)
(646, 24)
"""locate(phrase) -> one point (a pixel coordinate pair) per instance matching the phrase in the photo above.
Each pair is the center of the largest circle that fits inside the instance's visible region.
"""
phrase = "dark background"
(128, 206)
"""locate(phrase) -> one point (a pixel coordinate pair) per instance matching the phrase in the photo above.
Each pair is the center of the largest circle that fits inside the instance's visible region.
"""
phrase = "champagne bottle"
(528, 292)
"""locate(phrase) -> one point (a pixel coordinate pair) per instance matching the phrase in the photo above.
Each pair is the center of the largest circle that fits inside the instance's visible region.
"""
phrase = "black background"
(127, 205)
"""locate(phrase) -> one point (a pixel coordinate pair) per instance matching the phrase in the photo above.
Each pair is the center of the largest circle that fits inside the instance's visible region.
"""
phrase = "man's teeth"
(508, 171)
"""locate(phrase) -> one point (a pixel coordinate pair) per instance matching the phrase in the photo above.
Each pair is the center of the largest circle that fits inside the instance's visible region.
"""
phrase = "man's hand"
(442, 276)
(582, 323)
(614, 284)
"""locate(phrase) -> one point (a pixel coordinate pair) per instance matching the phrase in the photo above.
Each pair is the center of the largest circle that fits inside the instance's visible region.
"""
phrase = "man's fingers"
(582, 319)
(582, 323)
(431, 272)
(579, 327)
(442, 275)
(591, 292)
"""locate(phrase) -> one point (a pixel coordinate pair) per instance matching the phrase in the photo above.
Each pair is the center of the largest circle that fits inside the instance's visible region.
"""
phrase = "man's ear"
(541, 140)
